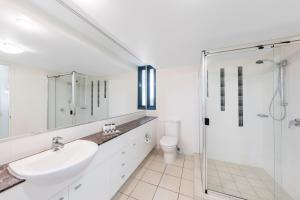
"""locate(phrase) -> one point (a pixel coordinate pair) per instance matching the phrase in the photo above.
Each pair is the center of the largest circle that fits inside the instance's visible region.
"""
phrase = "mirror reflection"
(42, 87)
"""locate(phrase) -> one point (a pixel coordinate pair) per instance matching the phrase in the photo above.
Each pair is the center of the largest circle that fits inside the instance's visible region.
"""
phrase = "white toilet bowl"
(169, 142)
(169, 147)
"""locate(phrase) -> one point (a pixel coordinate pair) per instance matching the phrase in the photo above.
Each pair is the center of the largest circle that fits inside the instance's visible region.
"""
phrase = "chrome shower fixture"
(280, 90)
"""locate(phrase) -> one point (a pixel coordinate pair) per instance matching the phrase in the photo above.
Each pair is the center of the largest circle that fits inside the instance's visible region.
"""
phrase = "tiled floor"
(155, 180)
(242, 181)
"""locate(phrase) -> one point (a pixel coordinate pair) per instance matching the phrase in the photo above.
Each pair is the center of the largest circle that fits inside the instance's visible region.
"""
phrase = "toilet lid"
(168, 141)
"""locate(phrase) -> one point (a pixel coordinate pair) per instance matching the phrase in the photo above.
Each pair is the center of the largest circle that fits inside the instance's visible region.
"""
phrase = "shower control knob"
(295, 122)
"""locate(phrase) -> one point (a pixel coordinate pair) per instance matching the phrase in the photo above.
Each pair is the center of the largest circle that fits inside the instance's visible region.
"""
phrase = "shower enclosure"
(4, 101)
(76, 98)
(251, 121)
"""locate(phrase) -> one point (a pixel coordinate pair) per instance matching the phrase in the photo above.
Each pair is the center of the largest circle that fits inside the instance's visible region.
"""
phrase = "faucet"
(56, 144)
(295, 122)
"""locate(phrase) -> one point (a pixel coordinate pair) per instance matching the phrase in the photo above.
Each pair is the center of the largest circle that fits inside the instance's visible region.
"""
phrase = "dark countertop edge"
(140, 121)
(16, 181)
(12, 185)
(5, 177)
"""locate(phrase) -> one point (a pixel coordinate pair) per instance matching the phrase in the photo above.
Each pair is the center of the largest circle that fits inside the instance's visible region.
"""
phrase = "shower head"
(259, 62)
(282, 63)
(264, 60)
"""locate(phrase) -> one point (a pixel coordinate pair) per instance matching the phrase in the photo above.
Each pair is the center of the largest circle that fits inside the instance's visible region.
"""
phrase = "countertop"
(7, 180)
(100, 138)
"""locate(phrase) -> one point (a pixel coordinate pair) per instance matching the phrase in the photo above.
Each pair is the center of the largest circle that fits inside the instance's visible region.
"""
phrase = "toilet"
(170, 140)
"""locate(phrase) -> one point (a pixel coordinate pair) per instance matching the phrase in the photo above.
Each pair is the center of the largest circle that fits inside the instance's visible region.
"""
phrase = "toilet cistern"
(170, 140)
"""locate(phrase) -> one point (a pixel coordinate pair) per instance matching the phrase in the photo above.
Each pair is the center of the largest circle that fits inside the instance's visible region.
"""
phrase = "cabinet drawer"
(119, 177)
(63, 195)
(93, 186)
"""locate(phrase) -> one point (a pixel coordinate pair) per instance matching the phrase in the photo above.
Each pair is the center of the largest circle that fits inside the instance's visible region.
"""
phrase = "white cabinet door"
(63, 195)
(93, 185)
(120, 164)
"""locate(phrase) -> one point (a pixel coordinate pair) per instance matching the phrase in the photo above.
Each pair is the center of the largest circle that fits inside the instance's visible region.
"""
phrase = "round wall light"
(10, 48)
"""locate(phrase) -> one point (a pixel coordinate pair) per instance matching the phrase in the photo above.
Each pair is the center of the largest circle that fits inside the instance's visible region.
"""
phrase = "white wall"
(122, 93)
(28, 105)
(177, 98)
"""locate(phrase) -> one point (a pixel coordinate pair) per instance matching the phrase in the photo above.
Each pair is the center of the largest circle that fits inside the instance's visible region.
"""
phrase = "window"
(147, 87)
(151, 89)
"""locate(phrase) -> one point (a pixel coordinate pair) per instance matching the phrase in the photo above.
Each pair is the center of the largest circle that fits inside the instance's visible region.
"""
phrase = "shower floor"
(243, 181)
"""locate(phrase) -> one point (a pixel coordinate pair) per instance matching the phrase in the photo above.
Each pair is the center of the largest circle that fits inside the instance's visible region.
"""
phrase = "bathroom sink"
(55, 166)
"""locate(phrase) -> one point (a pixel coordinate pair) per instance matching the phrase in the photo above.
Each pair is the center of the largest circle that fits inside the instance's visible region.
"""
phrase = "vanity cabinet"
(113, 164)
(63, 195)
(92, 185)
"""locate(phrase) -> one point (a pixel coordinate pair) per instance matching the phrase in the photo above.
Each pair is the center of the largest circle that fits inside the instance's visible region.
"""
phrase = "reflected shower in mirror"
(42, 87)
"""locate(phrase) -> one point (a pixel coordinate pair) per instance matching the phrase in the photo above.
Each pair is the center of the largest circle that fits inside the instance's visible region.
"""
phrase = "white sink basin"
(53, 166)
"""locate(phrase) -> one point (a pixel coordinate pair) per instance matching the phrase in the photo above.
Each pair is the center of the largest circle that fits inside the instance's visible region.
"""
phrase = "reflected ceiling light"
(25, 23)
(10, 48)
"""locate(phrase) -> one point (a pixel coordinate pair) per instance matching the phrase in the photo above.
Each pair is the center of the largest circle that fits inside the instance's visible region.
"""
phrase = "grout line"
(159, 183)
(163, 173)
(180, 180)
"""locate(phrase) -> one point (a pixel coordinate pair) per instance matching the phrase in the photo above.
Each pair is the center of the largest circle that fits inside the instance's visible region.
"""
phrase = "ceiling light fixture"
(25, 23)
(10, 48)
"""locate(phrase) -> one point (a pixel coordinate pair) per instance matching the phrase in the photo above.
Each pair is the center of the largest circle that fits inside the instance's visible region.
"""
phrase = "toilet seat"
(168, 141)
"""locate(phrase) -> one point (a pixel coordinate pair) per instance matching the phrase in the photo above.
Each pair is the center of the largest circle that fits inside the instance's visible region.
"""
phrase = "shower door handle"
(206, 121)
(263, 115)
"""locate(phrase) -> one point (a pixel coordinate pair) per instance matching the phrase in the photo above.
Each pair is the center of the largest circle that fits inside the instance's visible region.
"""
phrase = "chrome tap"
(295, 122)
(56, 144)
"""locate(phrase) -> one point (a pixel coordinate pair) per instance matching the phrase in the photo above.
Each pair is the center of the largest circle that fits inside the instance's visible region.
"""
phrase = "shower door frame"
(204, 55)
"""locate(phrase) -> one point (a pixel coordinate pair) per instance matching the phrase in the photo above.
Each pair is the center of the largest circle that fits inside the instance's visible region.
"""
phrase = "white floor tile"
(139, 172)
(152, 177)
(183, 197)
(188, 164)
(178, 162)
(170, 182)
(157, 166)
(164, 194)
(173, 170)
(143, 191)
(187, 188)
(188, 174)
(128, 187)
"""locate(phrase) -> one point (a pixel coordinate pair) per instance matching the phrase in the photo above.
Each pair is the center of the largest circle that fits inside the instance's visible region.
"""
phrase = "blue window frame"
(146, 88)
(151, 88)
(142, 88)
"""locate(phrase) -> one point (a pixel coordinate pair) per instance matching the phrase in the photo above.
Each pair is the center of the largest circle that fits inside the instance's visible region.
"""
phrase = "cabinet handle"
(123, 164)
(77, 186)
(61, 198)
(123, 176)
(134, 144)
(123, 152)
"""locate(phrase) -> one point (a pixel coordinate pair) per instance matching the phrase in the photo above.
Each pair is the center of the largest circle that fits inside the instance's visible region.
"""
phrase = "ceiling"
(169, 33)
(50, 45)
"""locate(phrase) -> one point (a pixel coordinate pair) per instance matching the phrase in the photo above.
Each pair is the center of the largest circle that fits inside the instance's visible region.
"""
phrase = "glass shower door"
(60, 105)
(4, 101)
(287, 136)
(240, 137)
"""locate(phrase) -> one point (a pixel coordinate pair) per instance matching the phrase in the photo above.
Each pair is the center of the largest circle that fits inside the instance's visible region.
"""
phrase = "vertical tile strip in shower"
(98, 93)
(92, 98)
(222, 88)
(240, 97)
(105, 83)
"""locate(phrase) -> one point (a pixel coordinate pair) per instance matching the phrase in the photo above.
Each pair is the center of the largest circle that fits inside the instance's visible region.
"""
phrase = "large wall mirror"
(53, 76)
